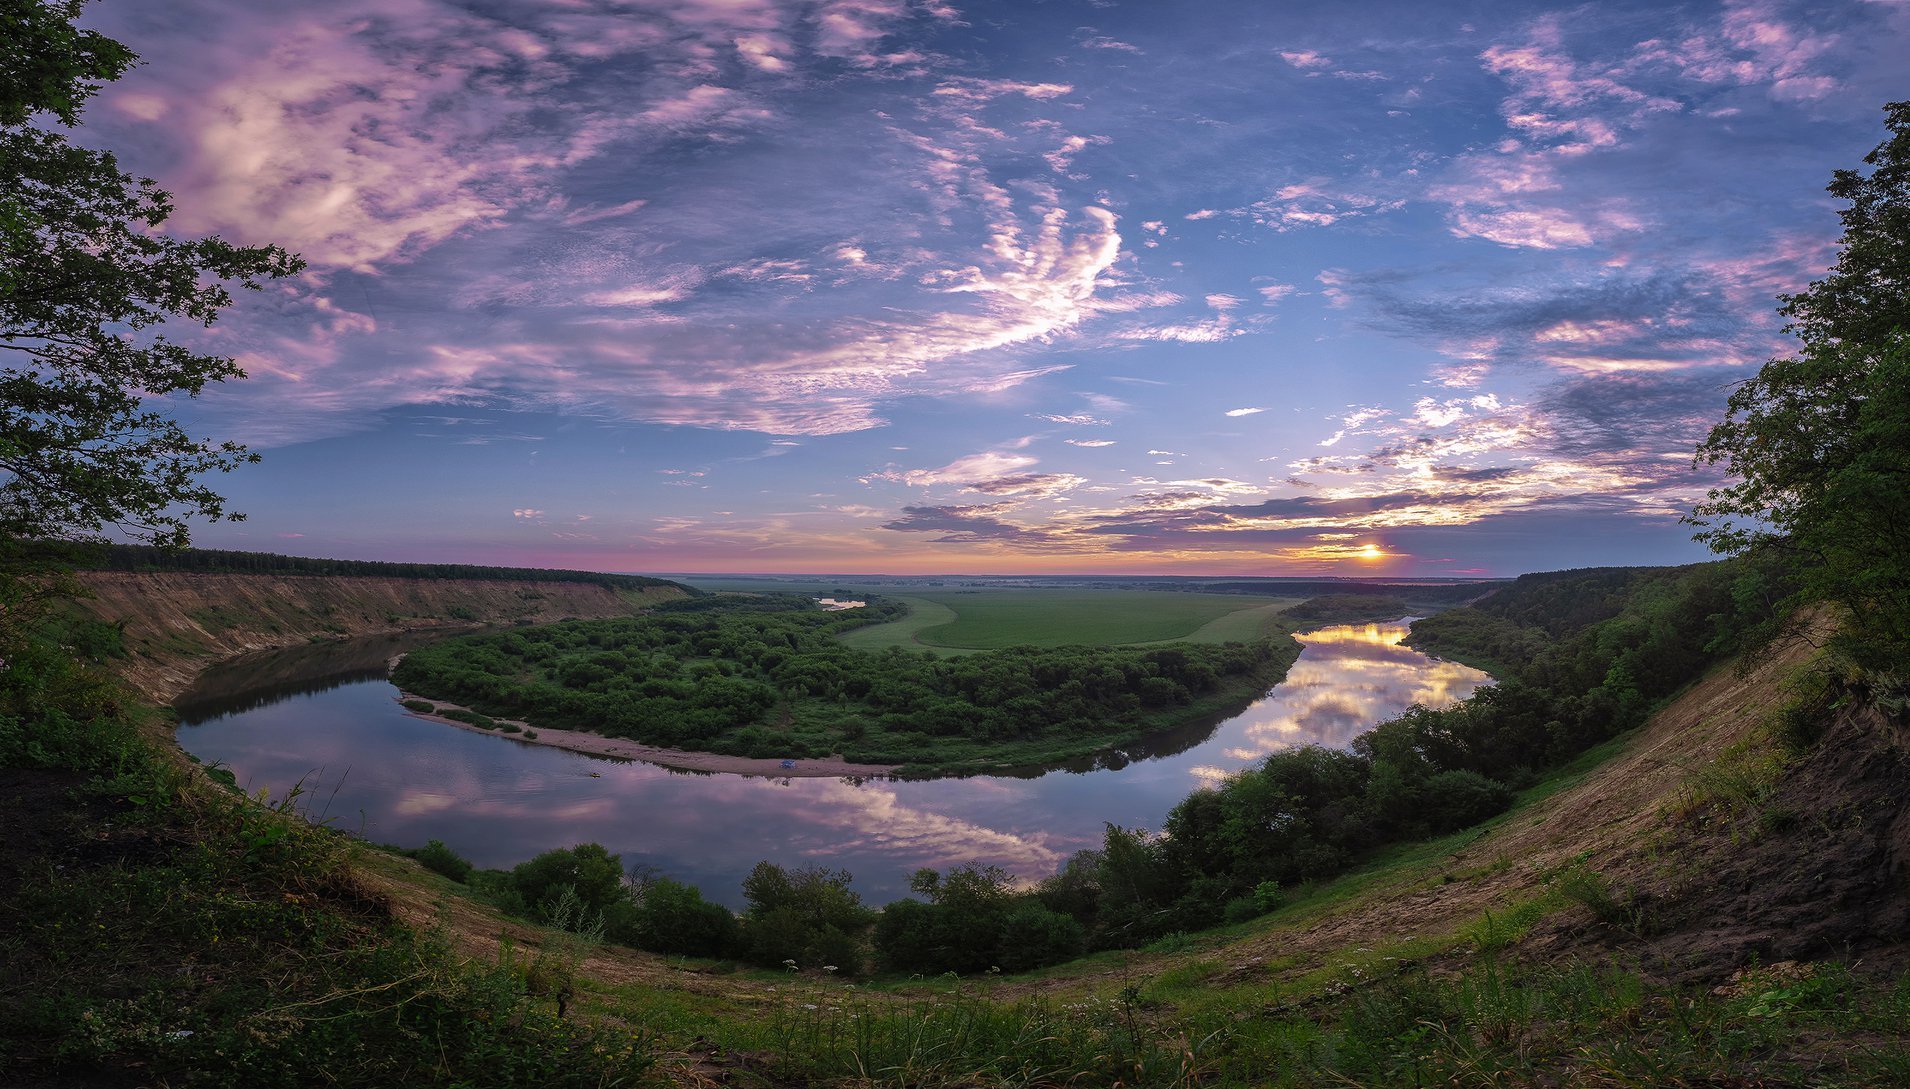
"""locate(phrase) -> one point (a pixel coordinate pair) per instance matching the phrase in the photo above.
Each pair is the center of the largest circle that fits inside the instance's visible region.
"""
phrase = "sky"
(935, 286)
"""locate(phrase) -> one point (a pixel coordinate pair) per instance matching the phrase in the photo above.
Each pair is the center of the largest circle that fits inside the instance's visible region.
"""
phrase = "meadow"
(967, 620)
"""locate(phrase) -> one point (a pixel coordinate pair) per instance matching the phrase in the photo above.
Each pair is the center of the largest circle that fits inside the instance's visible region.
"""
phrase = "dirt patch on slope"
(1818, 867)
(1605, 823)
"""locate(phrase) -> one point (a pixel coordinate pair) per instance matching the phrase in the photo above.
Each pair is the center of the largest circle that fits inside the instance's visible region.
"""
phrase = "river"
(324, 720)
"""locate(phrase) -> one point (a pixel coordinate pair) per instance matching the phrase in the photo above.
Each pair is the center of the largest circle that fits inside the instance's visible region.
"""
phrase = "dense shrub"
(438, 858)
(590, 873)
(809, 916)
(668, 916)
(973, 922)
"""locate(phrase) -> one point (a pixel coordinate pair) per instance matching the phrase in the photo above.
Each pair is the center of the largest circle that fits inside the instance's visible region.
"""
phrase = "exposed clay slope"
(177, 623)
(1811, 863)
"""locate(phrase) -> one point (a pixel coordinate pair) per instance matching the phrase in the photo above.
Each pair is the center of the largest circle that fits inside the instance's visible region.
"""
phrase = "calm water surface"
(324, 718)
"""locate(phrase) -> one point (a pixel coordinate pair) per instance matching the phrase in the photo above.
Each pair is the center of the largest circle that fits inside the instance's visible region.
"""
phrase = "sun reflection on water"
(1331, 698)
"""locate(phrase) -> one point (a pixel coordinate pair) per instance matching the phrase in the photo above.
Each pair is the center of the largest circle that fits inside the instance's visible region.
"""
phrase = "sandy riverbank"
(831, 767)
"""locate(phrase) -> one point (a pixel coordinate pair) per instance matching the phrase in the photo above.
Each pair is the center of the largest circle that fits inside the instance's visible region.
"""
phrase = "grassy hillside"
(1714, 899)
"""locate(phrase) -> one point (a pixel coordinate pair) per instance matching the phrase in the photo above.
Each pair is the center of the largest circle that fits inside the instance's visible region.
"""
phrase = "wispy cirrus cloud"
(374, 143)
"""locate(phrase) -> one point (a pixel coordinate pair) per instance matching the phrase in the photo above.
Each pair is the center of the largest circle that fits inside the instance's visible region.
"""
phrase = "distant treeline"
(124, 557)
(765, 676)
(1427, 596)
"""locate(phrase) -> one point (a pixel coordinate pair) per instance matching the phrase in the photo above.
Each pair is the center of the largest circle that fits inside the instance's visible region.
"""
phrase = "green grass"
(1243, 625)
(1375, 1022)
(967, 620)
(923, 613)
(168, 933)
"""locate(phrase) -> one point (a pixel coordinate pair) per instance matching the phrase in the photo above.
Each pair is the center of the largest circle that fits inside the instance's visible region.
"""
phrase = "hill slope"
(175, 623)
(1635, 922)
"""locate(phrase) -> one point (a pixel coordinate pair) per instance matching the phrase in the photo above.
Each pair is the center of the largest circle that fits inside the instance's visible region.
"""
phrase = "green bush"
(1033, 936)
(1264, 898)
(669, 916)
(975, 923)
(1459, 799)
(438, 858)
(809, 916)
(588, 872)
(471, 718)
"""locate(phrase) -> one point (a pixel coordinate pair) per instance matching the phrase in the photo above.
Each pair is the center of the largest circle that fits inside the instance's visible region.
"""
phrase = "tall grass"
(176, 933)
(1491, 1024)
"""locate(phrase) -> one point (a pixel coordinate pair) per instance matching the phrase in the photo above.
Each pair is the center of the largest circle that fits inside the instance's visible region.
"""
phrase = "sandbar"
(827, 767)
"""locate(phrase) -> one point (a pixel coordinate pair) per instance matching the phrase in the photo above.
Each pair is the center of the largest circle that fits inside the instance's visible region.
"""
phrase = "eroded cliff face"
(178, 623)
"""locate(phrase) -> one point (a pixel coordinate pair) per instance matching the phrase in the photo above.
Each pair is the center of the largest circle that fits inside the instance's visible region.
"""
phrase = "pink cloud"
(1752, 44)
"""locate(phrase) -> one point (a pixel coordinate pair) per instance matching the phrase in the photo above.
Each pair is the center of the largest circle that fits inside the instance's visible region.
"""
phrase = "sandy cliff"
(178, 623)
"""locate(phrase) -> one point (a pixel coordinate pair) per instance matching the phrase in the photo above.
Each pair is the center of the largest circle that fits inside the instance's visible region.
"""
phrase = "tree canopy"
(88, 286)
(1819, 443)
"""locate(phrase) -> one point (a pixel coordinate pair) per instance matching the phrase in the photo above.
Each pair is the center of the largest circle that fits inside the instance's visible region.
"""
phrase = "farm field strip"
(1240, 626)
(923, 613)
(968, 620)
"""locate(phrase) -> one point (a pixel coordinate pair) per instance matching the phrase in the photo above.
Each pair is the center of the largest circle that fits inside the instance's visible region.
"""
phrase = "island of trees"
(764, 676)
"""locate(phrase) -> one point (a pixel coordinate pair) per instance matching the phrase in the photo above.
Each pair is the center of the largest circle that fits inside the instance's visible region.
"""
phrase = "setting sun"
(1371, 552)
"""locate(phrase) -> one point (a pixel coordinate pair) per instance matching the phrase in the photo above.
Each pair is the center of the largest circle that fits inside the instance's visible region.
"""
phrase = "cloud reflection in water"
(397, 779)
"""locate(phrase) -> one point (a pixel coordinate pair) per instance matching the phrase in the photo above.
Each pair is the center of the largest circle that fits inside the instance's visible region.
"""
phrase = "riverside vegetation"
(765, 676)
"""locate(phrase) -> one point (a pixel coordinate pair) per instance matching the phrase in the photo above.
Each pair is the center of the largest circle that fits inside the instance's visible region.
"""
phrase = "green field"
(954, 621)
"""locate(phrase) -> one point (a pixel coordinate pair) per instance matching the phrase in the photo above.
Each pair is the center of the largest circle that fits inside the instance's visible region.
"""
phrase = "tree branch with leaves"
(89, 287)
